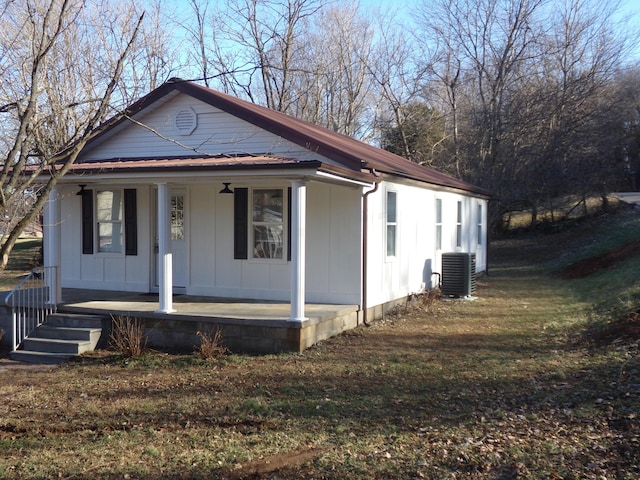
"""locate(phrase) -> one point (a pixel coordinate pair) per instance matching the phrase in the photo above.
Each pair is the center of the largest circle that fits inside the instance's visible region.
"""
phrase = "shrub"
(127, 336)
(211, 346)
(430, 297)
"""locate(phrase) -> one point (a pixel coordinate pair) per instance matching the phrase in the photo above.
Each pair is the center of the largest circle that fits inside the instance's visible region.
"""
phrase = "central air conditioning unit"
(458, 274)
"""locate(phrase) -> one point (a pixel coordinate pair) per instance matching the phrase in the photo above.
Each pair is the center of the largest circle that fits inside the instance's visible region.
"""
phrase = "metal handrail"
(32, 301)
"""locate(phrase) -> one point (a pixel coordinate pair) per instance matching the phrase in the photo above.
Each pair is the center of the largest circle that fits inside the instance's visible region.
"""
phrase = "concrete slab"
(247, 325)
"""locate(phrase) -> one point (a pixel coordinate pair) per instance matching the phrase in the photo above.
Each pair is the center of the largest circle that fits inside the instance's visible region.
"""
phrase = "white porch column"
(298, 244)
(165, 272)
(52, 248)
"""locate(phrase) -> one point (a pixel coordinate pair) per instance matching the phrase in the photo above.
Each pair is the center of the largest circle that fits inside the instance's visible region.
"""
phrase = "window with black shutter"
(106, 218)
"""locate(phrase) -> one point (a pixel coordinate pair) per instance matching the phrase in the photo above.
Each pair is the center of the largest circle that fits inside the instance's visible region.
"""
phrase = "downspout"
(365, 225)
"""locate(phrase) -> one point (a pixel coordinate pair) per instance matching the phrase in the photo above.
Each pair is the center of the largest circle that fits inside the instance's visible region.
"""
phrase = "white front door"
(179, 238)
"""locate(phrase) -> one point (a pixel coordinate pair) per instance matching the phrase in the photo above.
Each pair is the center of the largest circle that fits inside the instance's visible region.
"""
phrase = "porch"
(246, 325)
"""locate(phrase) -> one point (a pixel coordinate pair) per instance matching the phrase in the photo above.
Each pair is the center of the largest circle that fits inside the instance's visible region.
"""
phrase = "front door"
(178, 228)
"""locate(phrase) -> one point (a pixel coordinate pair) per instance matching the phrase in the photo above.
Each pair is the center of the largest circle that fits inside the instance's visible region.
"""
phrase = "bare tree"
(60, 74)
(251, 46)
(398, 77)
(528, 89)
(333, 87)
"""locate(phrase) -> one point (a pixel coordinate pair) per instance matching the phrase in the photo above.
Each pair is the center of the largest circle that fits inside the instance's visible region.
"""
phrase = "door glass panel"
(177, 217)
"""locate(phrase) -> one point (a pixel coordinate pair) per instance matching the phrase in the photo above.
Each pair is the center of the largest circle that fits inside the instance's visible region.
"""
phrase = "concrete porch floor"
(253, 326)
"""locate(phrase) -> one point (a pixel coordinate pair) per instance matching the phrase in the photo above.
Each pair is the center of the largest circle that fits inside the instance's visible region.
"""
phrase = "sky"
(628, 8)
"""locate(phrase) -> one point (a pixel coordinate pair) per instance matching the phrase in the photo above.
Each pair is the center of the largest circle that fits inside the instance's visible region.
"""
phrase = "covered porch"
(248, 326)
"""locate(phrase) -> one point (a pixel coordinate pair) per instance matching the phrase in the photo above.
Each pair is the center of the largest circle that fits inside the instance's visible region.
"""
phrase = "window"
(109, 209)
(114, 221)
(177, 217)
(258, 223)
(479, 224)
(267, 219)
(438, 224)
(459, 226)
(392, 223)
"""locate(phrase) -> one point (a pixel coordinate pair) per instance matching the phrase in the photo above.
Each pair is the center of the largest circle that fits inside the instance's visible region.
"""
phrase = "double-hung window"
(113, 221)
(109, 220)
(438, 224)
(479, 224)
(459, 225)
(267, 223)
(392, 223)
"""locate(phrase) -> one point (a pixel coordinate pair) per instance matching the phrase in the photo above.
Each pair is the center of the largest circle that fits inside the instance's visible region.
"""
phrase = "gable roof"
(354, 155)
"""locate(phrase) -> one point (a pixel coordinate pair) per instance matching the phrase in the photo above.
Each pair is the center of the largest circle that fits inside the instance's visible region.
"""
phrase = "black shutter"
(130, 222)
(289, 224)
(240, 223)
(87, 222)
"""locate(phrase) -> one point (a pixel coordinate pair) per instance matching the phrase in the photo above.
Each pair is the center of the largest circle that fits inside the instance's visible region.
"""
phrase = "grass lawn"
(24, 257)
(506, 386)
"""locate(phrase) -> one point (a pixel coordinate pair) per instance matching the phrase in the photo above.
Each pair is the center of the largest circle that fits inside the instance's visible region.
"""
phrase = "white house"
(200, 193)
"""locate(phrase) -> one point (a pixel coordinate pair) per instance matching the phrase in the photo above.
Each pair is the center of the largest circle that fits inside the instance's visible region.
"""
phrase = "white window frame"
(480, 224)
(459, 225)
(438, 224)
(254, 225)
(116, 224)
(177, 216)
(391, 224)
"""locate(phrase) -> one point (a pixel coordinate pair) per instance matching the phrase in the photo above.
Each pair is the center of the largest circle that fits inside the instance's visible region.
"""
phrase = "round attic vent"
(186, 121)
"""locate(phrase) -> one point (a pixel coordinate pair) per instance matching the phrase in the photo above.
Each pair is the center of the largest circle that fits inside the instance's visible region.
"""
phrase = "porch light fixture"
(226, 188)
(82, 191)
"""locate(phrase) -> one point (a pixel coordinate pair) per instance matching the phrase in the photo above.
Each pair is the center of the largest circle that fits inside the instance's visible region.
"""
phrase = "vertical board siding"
(102, 270)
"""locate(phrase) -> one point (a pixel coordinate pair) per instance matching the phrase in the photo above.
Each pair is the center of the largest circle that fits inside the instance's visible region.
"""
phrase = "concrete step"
(39, 357)
(75, 320)
(67, 333)
(52, 345)
(60, 337)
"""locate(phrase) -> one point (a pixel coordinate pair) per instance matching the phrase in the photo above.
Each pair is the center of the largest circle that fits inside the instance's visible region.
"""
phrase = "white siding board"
(217, 133)
(202, 235)
(345, 261)
(228, 272)
(318, 230)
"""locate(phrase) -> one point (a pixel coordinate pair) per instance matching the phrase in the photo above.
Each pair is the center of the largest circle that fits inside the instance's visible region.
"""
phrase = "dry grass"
(127, 336)
(501, 387)
(211, 345)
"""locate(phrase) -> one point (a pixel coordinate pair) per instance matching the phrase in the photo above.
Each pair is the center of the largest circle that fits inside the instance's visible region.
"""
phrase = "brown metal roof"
(354, 155)
(210, 163)
(189, 162)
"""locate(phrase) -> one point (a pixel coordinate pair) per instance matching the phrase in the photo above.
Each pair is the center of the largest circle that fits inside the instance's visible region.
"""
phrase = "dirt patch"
(7, 364)
(273, 463)
(589, 266)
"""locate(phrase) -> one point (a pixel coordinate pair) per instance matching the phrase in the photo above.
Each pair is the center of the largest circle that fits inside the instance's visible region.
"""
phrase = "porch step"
(76, 320)
(53, 345)
(39, 357)
(60, 337)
